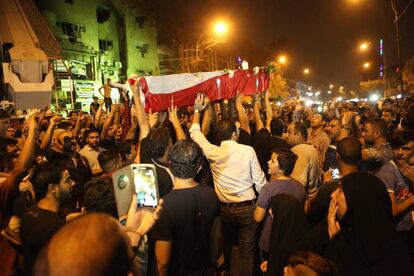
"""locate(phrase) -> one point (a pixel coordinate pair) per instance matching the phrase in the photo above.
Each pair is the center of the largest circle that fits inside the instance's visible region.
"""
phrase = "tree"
(278, 86)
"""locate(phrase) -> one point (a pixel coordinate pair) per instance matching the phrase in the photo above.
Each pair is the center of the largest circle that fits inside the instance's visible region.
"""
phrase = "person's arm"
(269, 111)
(77, 128)
(244, 122)
(173, 117)
(207, 117)
(97, 121)
(144, 127)
(163, 254)
(26, 156)
(131, 132)
(195, 130)
(259, 214)
(47, 138)
(259, 178)
(398, 208)
(100, 92)
(141, 220)
(42, 116)
(115, 123)
(108, 122)
(256, 113)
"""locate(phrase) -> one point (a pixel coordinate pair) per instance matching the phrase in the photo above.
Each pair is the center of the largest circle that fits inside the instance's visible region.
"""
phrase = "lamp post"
(397, 18)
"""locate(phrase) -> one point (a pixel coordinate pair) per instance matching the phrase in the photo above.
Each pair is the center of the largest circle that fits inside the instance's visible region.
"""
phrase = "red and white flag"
(181, 89)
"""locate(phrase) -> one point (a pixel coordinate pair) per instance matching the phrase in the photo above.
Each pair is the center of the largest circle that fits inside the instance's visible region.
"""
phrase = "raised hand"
(142, 220)
(333, 224)
(153, 119)
(172, 115)
(199, 103)
(406, 170)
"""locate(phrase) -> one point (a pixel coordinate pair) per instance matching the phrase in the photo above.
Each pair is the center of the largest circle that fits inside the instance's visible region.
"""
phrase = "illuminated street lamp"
(306, 71)
(367, 65)
(282, 59)
(364, 46)
(220, 28)
(331, 86)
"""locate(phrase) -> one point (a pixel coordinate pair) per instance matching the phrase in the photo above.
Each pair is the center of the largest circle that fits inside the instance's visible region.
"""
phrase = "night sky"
(321, 34)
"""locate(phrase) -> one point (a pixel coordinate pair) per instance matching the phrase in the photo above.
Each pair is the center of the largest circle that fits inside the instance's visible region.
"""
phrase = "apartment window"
(105, 45)
(73, 31)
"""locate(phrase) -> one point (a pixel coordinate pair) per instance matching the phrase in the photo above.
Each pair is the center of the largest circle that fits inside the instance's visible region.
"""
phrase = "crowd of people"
(244, 189)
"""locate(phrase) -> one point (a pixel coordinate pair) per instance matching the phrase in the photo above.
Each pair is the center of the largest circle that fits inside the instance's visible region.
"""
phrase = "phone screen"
(335, 174)
(145, 186)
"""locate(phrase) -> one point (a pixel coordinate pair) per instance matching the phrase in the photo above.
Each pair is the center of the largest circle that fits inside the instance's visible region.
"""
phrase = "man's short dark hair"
(325, 117)
(286, 159)
(89, 131)
(94, 97)
(349, 150)
(92, 244)
(107, 160)
(5, 142)
(4, 114)
(99, 196)
(43, 176)
(402, 137)
(299, 127)
(158, 141)
(72, 112)
(185, 159)
(389, 111)
(379, 125)
(225, 129)
(277, 126)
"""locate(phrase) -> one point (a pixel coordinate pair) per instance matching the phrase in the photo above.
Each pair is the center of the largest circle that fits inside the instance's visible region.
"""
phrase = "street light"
(282, 59)
(306, 71)
(331, 86)
(367, 65)
(220, 28)
(364, 46)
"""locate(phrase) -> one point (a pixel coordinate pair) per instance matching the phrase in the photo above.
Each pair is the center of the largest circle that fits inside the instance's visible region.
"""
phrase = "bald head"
(93, 244)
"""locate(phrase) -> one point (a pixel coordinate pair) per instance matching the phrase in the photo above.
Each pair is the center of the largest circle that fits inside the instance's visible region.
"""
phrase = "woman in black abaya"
(367, 243)
(289, 223)
(359, 233)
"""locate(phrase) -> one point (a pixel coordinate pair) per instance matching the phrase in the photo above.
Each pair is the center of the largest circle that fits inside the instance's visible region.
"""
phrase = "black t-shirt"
(186, 222)
(320, 204)
(263, 145)
(165, 183)
(95, 106)
(38, 226)
(244, 137)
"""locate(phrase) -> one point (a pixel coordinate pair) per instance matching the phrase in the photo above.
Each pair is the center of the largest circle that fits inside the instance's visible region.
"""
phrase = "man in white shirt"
(92, 150)
(307, 168)
(235, 171)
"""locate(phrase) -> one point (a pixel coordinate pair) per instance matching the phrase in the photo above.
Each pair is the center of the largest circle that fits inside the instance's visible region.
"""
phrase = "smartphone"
(335, 174)
(140, 179)
(146, 186)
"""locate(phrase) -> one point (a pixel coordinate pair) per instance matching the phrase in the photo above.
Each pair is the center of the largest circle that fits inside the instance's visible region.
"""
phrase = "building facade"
(99, 40)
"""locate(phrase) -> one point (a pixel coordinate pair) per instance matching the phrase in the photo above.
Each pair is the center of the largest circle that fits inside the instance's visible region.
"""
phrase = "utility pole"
(397, 18)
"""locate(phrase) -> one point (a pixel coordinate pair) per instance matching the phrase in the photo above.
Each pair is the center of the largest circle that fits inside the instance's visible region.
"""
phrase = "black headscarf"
(368, 243)
(289, 223)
